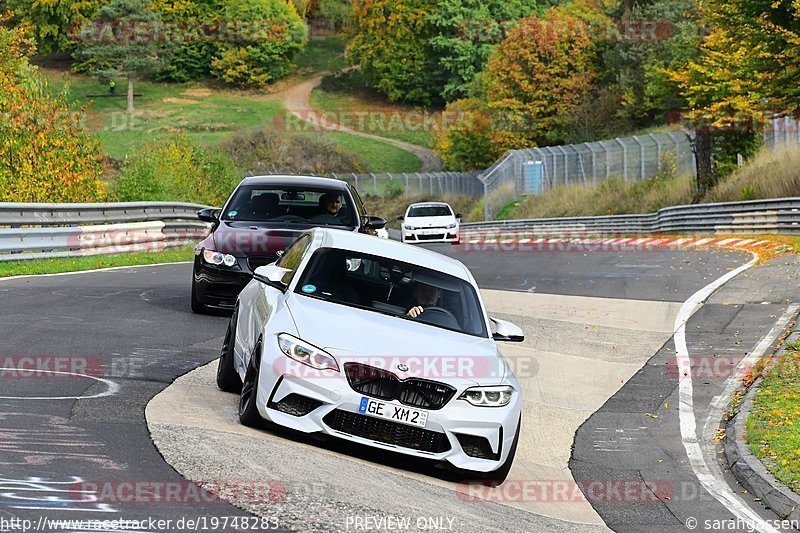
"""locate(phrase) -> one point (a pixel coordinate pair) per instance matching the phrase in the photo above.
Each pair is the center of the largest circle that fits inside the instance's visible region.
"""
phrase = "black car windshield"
(393, 288)
(281, 204)
(430, 211)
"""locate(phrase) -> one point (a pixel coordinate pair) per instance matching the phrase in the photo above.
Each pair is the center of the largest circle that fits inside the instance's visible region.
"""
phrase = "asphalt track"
(132, 328)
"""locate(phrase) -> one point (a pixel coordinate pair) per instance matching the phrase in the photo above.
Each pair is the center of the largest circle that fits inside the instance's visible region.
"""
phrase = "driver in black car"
(426, 296)
(331, 205)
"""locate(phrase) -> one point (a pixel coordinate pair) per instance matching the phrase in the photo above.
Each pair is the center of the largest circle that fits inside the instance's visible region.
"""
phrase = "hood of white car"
(430, 222)
(404, 347)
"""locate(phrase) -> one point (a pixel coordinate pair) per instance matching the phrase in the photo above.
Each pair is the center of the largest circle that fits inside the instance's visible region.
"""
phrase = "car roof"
(359, 242)
(295, 181)
(430, 204)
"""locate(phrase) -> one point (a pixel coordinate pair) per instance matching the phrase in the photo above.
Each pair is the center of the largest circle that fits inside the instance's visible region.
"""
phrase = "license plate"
(395, 413)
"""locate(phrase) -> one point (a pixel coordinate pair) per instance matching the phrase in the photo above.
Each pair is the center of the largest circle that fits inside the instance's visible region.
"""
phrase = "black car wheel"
(248, 409)
(227, 378)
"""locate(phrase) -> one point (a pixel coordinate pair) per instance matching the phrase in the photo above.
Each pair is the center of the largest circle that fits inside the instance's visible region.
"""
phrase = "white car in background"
(377, 343)
(430, 222)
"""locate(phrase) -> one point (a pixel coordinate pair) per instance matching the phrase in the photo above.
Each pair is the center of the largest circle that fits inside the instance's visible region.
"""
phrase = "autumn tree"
(749, 65)
(538, 77)
(124, 40)
(53, 22)
(45, 153)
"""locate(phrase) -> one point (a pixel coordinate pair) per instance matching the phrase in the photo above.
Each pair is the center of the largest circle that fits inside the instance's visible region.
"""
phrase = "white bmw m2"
(378, 343)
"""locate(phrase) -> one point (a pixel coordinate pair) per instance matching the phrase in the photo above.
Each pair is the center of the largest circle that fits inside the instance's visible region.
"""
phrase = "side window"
(293, 256)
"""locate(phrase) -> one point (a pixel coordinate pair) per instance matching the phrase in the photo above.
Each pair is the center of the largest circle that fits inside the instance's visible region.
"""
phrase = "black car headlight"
(498, 396)
(218, 258)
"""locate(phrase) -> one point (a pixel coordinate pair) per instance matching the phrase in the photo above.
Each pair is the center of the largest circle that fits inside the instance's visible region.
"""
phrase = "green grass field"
(771, 431)
(78, 264)
(379, 156)
(206, 113)
(392, 121)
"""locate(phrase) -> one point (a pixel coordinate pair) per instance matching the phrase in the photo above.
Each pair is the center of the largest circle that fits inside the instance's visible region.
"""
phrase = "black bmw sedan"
(263, 216)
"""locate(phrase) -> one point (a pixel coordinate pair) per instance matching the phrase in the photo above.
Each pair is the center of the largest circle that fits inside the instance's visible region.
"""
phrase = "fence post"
(374, 184)
(624, 158)
(485, 201)
(641, 156)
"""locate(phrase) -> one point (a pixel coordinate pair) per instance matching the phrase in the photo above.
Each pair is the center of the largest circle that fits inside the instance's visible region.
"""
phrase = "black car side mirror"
(374, 223)
(459, 216)
(400, 217)
(209, 214)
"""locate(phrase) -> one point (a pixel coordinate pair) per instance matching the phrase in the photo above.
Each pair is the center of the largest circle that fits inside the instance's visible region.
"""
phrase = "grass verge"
(379, 156)
(79, 264)
(380, 117)
(772, 434)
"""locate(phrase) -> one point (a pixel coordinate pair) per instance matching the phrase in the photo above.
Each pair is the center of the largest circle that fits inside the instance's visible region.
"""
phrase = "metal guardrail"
(31, 231)
(781, 216)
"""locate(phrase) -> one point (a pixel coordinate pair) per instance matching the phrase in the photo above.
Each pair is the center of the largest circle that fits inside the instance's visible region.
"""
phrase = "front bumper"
(219, 286)
(430, 235)
(467, 437)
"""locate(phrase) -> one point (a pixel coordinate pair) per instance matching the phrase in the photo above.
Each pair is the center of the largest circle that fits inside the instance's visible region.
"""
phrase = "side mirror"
(374, 223)
(209, 214)
(507, 332)
(459, 216)
(271, 275)
(400, 217)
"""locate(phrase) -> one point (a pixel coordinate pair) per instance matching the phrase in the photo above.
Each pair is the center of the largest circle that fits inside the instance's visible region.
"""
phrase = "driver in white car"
(426, 296)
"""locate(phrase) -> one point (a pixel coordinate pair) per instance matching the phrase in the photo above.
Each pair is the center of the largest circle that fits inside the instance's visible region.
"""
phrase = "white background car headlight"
(451, 226)
(305, 353)
(216, 258)
(410, 228)
(488, 396)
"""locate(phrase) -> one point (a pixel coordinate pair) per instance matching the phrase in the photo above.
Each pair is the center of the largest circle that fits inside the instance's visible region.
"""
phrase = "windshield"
(393, 288)
(323, 207)
(430, 211)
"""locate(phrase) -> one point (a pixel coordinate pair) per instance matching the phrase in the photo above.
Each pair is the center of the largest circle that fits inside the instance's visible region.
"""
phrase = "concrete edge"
(748, 470)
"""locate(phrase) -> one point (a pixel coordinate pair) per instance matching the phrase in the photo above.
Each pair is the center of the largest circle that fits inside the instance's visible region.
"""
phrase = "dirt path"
(297, 101)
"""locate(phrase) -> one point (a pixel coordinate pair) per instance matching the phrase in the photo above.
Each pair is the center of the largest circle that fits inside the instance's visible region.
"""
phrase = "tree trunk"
(130, 95)
(703, 158)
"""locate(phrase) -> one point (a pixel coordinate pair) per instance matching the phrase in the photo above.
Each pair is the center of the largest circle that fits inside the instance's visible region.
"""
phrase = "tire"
(227, 378)
(197, 307)
(248, 398)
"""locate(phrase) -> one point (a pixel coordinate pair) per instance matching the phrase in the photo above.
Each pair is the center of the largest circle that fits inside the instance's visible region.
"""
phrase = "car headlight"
(488, 396)
(410, 228)
(451, 226)
(304, 353)
(217, 258)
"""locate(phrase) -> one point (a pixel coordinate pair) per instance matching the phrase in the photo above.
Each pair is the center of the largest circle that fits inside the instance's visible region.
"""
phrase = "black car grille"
(380, 430)
(260, 261)
(295, 405)
(478, 447)
(433, 237)
(384, 385)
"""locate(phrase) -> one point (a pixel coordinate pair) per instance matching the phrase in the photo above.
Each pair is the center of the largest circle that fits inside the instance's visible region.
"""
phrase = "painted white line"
(680, 242)
(742, 243)
(111, 387)
(715, 486)
(110, 269)
(726, 241)
(524, 241)
(702, 242)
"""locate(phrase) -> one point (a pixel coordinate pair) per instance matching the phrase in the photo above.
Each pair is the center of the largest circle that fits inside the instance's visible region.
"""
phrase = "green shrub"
(177, 169)
(336, 15)
(267, 152)
(268, 56)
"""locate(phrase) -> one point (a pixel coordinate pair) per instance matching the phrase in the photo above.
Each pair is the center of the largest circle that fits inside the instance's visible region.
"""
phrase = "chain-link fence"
(534, 171)
(416, 184)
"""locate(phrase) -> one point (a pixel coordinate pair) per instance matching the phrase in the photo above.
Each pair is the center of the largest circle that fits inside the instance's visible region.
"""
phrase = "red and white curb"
(501, 240)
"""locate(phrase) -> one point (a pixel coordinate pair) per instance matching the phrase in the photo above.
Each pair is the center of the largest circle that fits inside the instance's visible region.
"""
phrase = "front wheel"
(227, 378)
(248, 400)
